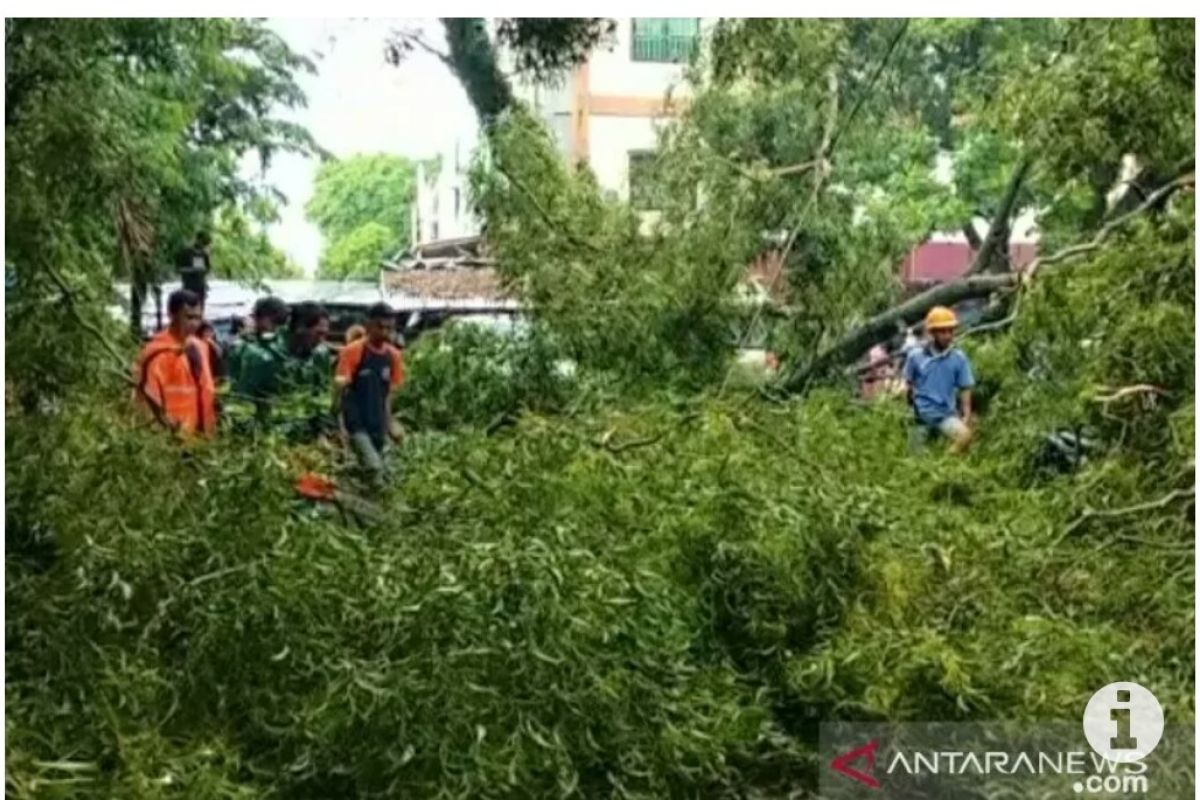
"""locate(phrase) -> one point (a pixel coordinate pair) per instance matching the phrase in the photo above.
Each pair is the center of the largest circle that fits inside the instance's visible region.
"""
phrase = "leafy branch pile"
(659, 588)
(468, 375)
(649, 601)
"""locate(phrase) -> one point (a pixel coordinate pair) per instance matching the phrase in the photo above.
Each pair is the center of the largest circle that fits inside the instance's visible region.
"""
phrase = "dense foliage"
(471, 375)
(157, 116)
(362, 206)
(653, 600)
(654, 307)
(642, 582)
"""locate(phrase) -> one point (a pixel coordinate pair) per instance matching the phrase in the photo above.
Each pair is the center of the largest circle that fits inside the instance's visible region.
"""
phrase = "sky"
(358, 103)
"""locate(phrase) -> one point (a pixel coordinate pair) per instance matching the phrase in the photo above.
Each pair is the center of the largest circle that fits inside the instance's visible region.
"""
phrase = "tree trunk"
(881, 326)
(474, 61)
(137, 297)
(994, 253)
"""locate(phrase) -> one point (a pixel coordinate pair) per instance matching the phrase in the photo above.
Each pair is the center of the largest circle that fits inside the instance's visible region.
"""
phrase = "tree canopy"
(612, 569)
(156, 116)
(362, 205)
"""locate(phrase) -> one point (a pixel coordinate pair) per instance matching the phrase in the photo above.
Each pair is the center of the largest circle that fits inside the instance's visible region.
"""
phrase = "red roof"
(938, 262)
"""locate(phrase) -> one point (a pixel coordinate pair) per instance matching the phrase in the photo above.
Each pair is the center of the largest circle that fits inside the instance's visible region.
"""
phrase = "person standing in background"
(194, 263)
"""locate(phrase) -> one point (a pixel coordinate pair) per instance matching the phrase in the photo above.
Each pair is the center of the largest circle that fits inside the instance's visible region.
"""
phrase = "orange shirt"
(368, 375)
(351, 356)
(176, 379)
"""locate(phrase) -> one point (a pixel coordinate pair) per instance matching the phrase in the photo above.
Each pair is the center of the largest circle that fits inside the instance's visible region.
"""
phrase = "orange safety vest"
(174, 380)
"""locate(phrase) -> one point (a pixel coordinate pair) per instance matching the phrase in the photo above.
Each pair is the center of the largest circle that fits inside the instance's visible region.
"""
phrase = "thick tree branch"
(473, 60)
(968, 229)
(1161, 502)
(995, 244)
(882, 326)
(1074, 251)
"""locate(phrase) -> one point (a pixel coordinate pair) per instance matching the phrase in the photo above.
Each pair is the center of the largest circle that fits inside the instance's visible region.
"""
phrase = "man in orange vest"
(174, 379)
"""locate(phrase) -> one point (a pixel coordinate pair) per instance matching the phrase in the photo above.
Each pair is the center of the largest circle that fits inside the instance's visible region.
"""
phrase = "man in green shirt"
(311, 359)
(307, 375)
(255, 363)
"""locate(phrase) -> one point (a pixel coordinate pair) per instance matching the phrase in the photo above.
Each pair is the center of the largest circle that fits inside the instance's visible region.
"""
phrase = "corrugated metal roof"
(235, 299)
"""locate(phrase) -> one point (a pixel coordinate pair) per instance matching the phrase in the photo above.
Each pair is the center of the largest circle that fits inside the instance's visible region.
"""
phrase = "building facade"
(607, 113)
(440, 208)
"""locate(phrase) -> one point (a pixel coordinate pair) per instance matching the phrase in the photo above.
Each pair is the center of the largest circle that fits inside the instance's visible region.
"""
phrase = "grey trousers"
(372, 457)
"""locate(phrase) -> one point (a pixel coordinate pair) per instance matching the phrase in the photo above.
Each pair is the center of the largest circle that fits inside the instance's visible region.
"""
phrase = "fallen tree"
(883, 326)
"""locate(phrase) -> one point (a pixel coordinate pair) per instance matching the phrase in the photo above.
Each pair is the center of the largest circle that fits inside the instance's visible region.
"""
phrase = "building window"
(665, 39)
(641, 180)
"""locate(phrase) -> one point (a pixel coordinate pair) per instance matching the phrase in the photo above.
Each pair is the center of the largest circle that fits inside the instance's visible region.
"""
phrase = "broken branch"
(1109, 228)
(996, 241)
(1110, 513)
(1128, 391)
(880, 327)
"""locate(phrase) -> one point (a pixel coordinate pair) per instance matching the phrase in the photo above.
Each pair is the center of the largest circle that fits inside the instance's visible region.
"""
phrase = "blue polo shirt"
(936, 379)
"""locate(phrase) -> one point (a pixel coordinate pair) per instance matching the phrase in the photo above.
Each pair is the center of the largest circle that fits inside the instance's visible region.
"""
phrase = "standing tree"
(361, 205)
(156, 117)
(540, 47)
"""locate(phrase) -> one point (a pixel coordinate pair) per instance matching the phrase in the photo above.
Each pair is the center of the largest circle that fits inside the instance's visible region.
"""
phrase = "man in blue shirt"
(939, 382)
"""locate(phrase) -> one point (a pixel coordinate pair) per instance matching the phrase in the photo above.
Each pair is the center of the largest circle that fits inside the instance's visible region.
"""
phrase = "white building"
(440, 209)
(606, 112)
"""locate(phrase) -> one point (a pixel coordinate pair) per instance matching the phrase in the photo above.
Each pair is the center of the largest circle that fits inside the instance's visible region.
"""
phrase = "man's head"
(940, 322)
(203, 240)
(183, 307)
(310, 326)
(381, 323)
(270, 313)
(354, 333)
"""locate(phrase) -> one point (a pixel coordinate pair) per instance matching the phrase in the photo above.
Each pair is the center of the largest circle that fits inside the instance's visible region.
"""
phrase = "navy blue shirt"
(369, 374)
(936, 379)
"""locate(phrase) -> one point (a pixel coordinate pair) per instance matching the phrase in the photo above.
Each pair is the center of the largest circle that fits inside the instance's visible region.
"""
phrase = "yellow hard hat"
(940, 317)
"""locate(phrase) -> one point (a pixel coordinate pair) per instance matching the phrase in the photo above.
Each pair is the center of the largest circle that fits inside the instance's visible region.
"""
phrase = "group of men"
(283, 375)
(280, 375)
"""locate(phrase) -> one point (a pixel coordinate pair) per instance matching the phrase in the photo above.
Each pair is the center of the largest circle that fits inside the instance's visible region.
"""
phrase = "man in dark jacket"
(194, 264)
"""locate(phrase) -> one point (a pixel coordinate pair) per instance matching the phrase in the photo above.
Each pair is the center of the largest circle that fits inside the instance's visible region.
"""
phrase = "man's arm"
(909, 374)
(343, 377)
(396, 380)
(964, 405)
(966, 383)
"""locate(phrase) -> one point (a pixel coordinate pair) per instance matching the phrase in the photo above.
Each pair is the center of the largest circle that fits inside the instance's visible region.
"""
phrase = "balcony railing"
(669, 48)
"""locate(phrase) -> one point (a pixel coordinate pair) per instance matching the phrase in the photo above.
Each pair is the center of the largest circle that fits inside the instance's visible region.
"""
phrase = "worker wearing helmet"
(939, 380)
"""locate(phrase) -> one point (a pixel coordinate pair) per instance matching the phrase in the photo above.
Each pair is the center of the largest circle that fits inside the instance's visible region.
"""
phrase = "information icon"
(1123, 722)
